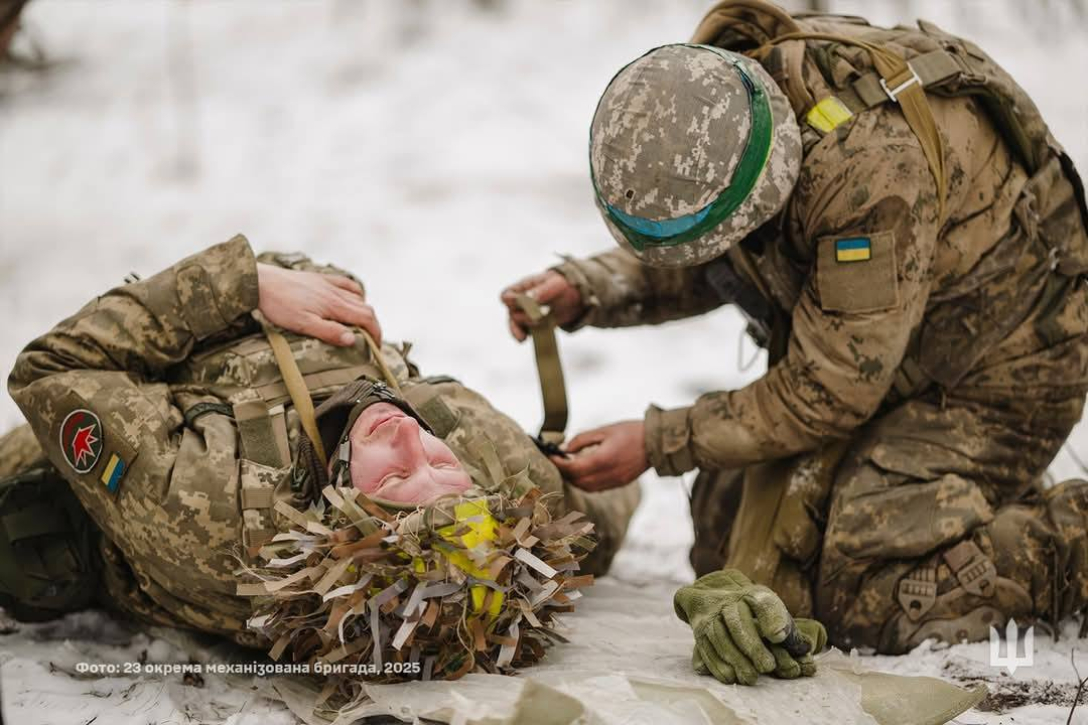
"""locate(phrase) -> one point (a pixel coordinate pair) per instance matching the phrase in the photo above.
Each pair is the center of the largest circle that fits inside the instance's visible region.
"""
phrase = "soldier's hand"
(313, 304)
(606, 457)
(548, 288)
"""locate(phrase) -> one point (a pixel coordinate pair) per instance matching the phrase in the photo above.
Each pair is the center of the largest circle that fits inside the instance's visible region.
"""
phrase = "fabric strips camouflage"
(455, 587)
(642, 233)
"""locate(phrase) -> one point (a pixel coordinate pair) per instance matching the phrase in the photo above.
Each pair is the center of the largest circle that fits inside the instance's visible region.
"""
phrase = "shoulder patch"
(857, 273)
(853, 249)
(113, 472)
(81, 440)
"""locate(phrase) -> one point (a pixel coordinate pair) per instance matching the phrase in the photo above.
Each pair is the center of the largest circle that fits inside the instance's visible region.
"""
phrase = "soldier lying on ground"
(909, 243)
(163, 405)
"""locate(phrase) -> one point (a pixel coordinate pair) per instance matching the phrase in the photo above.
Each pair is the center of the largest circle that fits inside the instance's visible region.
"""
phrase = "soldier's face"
(393, 458)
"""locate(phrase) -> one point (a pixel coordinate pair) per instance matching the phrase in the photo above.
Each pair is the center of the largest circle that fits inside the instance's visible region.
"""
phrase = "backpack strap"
(900, 82)
(767, 25)
(296, 387)
(930, 69)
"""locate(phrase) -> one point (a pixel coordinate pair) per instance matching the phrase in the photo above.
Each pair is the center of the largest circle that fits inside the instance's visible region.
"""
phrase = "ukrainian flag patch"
(854, 249)
(114, 471)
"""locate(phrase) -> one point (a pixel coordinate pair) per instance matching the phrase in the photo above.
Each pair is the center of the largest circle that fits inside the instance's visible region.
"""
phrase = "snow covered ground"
(437, 150)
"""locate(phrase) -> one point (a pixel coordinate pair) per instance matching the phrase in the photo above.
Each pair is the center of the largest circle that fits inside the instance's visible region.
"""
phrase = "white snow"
(436, 150)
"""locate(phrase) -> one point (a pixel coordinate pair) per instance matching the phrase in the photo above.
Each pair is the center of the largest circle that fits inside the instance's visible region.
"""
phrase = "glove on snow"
(743, 629)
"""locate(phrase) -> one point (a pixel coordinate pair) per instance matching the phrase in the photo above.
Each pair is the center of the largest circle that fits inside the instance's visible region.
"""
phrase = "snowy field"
(438, 151)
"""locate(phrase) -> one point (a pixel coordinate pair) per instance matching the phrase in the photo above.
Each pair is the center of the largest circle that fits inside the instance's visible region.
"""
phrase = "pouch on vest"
(49, 562)
(245, 373)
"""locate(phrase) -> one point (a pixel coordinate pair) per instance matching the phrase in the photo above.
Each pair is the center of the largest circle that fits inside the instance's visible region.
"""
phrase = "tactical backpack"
(866, 67)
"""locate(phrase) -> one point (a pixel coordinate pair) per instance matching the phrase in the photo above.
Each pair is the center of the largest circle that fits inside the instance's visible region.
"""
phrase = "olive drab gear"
(49, 560)
(938, 63)
(735, 623)
(203, 455)
(944, 64)
(691, 148)
(553, 387)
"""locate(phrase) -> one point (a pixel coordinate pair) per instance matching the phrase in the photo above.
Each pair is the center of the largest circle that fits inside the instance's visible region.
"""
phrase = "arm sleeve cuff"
(574, 272)
(668, 440)
(217, 286)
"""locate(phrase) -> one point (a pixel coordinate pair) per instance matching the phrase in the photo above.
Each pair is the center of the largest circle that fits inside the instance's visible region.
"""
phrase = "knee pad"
(1030, 562)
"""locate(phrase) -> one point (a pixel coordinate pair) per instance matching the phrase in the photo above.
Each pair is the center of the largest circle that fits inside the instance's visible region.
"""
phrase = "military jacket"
(879, 296)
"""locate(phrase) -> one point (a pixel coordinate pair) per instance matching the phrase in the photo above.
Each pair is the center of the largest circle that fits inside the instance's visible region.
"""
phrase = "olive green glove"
(787, 665)
(735, 623)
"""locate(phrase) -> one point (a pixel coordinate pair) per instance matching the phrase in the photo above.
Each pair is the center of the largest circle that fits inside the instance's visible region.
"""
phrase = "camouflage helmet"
(691, 148)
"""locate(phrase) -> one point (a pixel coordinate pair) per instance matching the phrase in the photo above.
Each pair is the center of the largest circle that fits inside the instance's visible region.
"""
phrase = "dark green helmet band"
(642, 233)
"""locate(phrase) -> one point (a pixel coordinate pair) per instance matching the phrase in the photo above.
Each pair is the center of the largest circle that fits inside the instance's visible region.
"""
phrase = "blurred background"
(437, 148)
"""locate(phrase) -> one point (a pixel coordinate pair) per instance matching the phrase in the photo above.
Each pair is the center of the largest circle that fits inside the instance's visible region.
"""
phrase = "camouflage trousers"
(930, 522)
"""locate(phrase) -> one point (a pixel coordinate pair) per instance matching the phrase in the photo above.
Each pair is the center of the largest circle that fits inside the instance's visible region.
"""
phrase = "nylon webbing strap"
(904, 86)
(296, 388)
(39, 520)
(376, 353)
(778, 337)
(898, 76)
(553, 388)
(932, 68)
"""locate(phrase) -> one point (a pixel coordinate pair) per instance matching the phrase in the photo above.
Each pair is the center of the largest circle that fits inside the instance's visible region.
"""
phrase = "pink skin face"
(393, 458)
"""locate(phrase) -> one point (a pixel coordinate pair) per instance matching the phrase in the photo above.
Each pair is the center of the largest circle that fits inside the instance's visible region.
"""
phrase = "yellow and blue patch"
(854, 249)
(113, 473)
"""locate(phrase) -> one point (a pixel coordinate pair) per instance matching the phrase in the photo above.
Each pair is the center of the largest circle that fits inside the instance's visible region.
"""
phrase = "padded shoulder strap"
(768, 25)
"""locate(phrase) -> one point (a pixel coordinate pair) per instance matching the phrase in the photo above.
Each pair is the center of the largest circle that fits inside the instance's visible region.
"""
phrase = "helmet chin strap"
(341, 467)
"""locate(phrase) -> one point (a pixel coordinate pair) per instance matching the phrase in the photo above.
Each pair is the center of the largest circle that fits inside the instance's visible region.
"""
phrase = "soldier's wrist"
(572, 270)
(668, 440)
(218, 286)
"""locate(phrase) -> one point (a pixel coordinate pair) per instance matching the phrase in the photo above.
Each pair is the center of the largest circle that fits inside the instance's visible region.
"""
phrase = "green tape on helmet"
(641, 232)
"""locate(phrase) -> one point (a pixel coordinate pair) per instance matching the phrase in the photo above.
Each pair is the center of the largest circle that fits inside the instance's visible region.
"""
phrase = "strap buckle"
(918, 592)
(893, 93)
(976, 571)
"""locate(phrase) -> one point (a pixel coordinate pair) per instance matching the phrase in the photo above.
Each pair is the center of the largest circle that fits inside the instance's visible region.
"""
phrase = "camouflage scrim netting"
(461, 585)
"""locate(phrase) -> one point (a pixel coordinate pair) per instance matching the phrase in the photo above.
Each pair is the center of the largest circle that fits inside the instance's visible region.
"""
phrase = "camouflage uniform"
(950, 365)
(194, 436)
